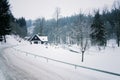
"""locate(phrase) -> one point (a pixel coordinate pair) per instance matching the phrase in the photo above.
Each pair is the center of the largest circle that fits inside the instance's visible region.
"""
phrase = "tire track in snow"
(10, 71)
(46, 73)
(50, 74)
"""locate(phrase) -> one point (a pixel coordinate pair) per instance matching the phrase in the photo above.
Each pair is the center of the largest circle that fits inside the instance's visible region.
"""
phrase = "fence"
(74, 65)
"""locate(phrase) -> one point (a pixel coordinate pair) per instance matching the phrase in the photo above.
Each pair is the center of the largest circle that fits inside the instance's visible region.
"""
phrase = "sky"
(33, 9)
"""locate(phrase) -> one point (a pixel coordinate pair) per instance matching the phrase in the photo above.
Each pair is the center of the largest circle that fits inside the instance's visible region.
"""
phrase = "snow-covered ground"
(44, 69)
(107, 59)
(1, 76)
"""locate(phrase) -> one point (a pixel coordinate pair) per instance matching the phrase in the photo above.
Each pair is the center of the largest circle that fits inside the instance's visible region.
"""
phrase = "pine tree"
(116, 19)
(98, 34)
(22, 26)
(5, 15)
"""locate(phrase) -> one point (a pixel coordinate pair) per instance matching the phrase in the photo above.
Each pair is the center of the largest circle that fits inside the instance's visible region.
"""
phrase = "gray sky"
(32, 9)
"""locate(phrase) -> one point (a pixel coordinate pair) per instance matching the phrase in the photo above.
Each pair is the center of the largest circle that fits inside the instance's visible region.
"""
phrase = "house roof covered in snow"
(43, 38)
(38, 38)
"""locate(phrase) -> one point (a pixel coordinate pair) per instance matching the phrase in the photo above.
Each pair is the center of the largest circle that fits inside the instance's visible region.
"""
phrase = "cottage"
(36, 39)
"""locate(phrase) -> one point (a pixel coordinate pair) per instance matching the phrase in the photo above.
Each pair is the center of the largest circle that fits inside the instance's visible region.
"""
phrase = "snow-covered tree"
(57, 29)
(81, 30)
(39, 26)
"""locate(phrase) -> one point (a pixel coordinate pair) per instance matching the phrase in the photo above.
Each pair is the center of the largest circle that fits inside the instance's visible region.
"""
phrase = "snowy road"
(10, 71)
(19, 67)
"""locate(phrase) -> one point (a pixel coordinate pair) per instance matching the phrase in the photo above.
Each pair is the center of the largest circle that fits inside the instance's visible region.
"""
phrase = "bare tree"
(82, 33)
(56, 32)
(39, 25)
(84, 37)
(116, 4)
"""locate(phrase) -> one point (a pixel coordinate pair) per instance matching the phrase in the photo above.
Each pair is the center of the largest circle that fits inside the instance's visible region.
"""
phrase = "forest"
(80, 28)
(95, 28)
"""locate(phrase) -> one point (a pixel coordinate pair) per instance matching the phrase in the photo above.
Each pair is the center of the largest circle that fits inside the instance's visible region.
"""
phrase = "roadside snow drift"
(44, 69)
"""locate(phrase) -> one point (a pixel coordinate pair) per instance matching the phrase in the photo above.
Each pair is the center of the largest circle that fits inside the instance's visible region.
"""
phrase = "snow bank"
(1, 76)
(107, 59)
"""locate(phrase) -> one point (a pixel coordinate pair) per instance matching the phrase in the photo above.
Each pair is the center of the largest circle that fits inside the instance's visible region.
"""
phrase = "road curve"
(13, 71)
(18, 67)
(10, 71)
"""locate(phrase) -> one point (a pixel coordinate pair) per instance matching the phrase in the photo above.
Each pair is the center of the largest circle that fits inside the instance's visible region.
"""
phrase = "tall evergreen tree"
(5, 15)
(116, 20)
(21, 22)
(98, 34)
(23, 28)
